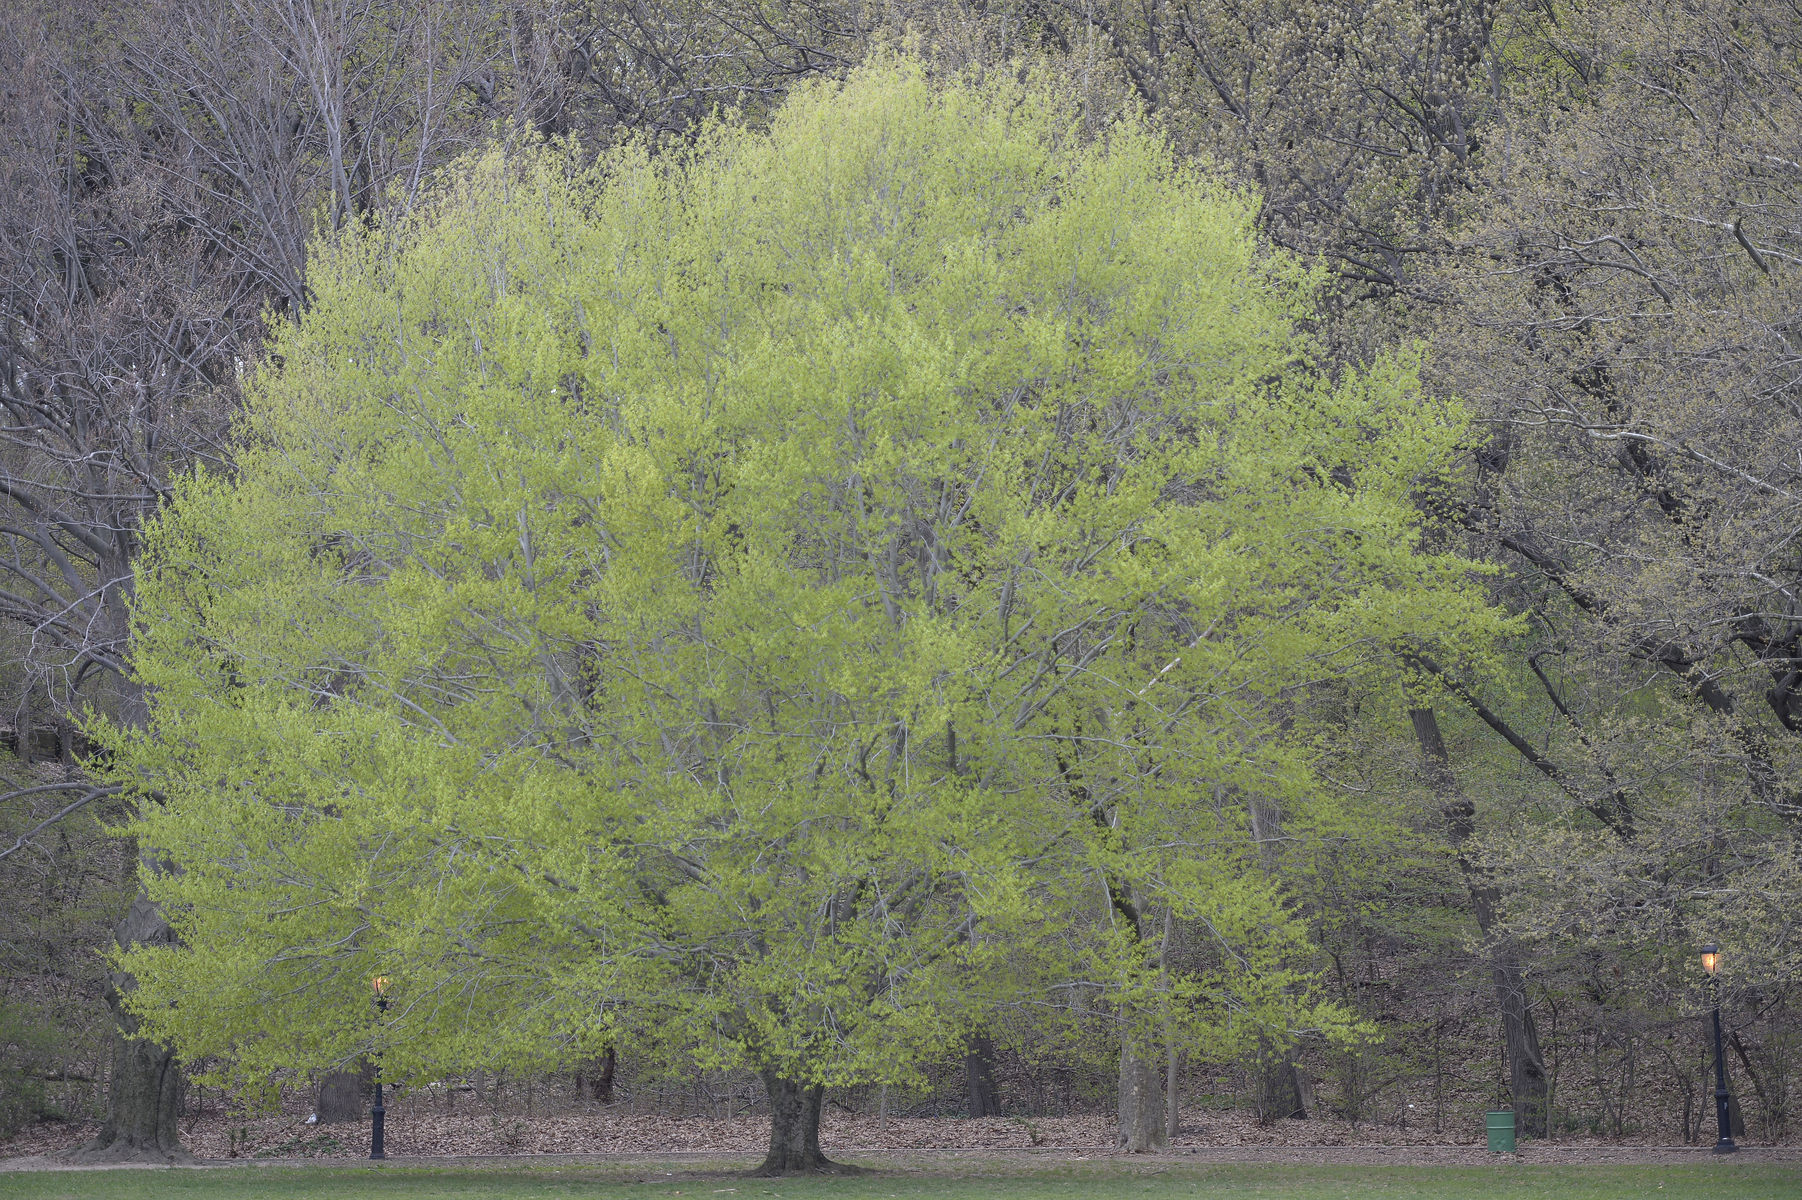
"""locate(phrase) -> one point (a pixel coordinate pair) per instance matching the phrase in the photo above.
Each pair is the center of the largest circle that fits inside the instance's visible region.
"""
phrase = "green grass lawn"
(1700, 1181)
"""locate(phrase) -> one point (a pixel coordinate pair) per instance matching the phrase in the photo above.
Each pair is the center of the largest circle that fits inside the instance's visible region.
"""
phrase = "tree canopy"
(958, 479)
(748, 593)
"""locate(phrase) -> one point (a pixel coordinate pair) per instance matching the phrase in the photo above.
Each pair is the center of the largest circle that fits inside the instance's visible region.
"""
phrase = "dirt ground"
(1001, 1161)
(419, 1131)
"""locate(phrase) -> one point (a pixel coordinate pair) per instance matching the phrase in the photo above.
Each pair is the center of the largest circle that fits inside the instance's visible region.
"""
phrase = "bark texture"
(1142, 1116)
(1173, 1064)
(1281, 1092)
(1526, 1062)
(344, 1095)
(599, 1077)
(144, 1101)
(794, 1128)
(1279, 1079)
(979, 1078)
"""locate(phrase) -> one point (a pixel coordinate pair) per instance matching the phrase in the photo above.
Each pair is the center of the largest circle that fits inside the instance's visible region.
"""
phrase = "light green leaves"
(756, 593)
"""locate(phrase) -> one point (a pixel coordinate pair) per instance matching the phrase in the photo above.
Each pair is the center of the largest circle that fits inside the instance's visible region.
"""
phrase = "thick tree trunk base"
(807, 1164)
(979, 1078)
(144, 1099)
(122, 1153)
(144, 1104)
(795, 1132)
(1141, 1104)
(1527, 1082)
(1281, 1093)
(599, 1077)
(344, 1096)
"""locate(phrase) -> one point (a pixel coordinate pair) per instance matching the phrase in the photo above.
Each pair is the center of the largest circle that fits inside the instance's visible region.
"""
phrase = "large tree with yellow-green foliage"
(751, 596)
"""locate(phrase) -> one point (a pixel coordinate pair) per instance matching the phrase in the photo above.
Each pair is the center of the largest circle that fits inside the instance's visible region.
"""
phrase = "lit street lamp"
(380, 984)
(1711, 963)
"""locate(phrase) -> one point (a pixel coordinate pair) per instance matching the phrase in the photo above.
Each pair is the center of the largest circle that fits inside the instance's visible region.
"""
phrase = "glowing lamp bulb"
(1711, 958)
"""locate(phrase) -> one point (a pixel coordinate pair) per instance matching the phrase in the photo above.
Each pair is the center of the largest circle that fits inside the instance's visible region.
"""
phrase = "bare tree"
(1624, 309)
(158, 200)
(1357, 122)
(118, 336)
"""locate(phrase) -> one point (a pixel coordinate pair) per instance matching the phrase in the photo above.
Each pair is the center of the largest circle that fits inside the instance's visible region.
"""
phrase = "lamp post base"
(1723, 1121)
(377, 1112)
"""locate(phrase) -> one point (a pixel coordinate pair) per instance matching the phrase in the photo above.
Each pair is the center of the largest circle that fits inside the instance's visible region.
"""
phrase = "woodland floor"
(421, 1131)
(420, 1127)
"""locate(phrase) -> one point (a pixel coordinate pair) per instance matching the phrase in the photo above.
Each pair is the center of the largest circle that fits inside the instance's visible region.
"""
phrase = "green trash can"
(1501, 1131)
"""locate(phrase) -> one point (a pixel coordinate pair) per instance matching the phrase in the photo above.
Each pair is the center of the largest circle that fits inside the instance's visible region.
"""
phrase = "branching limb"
(88, 797)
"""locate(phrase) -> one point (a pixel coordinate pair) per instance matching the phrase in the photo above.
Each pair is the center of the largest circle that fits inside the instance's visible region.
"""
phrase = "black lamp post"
(1711, 963)
(380, 984)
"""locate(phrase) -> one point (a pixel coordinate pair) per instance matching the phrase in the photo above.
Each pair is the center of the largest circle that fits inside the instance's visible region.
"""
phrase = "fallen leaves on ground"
(420, 1125)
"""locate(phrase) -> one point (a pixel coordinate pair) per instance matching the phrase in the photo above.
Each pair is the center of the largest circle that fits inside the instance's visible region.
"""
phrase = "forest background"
(1585, 214)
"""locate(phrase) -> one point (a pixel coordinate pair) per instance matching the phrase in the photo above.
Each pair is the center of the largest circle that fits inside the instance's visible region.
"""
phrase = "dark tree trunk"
(1172, 1094)
(603, 1083)
(979, 1077)
(1526, 1062)
(144, 1099)
(344, 1095)
(794, 1128)
(1279, 1082)
(1280, 1090)
(596, 1075)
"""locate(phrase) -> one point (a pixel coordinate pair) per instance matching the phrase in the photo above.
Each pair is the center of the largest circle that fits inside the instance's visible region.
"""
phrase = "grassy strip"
(1702, 1181)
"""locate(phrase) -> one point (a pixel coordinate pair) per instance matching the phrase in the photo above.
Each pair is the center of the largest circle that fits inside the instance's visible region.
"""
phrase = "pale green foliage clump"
(779, 599)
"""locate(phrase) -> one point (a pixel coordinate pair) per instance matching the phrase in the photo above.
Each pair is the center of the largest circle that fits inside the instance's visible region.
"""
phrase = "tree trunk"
(1172, 1096)
(979, 1077)
(794, 1128)
(144, 1099)
(1141, 1094)
(1280, 1089)
(1141, 1102)
(343, 1095)
(599, 1077)
(1526, 1063)
(603, 1083)
(1279, 1081)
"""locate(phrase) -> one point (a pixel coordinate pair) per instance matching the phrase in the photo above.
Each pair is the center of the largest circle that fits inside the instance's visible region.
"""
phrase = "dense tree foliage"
(1495, 858)
(757, 591)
